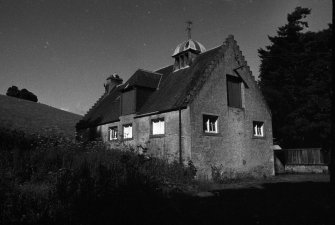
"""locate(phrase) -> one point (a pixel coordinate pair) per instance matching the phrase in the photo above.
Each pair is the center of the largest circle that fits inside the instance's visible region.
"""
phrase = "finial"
(188, 28)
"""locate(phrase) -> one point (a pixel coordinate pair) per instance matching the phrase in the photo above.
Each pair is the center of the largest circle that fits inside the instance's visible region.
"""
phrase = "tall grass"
(55, 180)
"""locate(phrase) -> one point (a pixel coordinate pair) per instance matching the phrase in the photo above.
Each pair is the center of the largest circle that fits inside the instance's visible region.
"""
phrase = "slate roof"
(106, 110)
(173, 90)
(143, 78)
(175, 86)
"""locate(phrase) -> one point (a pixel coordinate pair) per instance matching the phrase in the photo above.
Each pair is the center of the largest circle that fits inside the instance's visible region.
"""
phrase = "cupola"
(186, 52)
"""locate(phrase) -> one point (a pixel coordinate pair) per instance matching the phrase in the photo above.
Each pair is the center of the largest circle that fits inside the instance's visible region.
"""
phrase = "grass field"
(31, 117)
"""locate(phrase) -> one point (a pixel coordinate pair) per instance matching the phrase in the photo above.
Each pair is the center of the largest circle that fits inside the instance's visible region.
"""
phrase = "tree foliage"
(23, 94)
(295, 78)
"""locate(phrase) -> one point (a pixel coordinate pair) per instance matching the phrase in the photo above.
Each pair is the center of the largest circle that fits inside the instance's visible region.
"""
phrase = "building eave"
(159, 112)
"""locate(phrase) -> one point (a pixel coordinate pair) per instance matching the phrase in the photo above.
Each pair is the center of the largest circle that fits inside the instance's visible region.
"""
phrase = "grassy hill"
(32, 117)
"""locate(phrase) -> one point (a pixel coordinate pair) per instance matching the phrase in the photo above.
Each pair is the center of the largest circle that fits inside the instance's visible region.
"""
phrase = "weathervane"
(188, 28)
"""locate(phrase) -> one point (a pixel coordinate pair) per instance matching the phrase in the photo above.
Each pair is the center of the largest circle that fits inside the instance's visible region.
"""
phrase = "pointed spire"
(188, 29)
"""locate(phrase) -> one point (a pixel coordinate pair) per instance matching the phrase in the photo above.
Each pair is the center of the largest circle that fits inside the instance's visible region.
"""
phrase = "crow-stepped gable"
(205, 108)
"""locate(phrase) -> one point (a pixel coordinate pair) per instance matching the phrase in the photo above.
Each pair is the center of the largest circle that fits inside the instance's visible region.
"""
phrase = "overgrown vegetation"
(55, 180)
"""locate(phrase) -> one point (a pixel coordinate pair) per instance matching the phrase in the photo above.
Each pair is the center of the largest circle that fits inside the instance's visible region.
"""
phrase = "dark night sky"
(63, 50)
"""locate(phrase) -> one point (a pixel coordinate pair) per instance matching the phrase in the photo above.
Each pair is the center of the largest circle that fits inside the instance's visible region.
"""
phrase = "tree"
(27, 95)
(295, 78)
(23, 94)
(13, 91)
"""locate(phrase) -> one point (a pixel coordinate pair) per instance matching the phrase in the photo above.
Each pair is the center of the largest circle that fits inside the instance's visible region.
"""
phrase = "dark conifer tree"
(295, 78)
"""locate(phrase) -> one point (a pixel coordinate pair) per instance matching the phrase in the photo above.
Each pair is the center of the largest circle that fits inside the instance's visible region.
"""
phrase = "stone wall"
(163, 146)
(234, 151)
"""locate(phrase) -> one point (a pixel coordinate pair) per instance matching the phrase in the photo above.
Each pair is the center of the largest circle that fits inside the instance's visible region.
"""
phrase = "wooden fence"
(306, 156)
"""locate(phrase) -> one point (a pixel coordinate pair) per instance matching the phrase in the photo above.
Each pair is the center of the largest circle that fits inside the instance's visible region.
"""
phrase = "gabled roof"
(175, 86)
(106, 110)
(143, 78)
(174, 89)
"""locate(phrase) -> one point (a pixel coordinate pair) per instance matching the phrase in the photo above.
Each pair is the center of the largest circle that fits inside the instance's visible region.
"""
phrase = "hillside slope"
(32, 117)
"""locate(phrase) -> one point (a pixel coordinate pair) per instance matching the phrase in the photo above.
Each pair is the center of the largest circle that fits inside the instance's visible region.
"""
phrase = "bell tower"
(186, 52)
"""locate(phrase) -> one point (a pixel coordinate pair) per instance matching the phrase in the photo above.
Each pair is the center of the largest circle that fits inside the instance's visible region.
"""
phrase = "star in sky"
(46, 44)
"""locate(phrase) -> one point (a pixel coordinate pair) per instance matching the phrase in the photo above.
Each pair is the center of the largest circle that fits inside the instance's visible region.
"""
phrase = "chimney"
(112, 81)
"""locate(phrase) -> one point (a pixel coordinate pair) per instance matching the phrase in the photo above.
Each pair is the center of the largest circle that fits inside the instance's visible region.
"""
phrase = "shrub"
(56, 180)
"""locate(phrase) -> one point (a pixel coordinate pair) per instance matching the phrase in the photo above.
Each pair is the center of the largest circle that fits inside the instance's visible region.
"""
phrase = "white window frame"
(113, 132)
(127, 131)
(158, 126)
(211, 127)
(258, 129)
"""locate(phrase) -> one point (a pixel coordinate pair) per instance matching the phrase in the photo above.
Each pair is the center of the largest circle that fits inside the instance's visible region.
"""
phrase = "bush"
(55, 180)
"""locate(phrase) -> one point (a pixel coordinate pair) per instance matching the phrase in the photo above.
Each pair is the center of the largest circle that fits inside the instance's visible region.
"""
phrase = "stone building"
(206, 107)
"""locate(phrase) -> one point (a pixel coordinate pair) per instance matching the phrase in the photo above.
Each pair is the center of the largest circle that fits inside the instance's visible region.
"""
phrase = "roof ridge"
(164, 67)
(211, 49)
(154, 72)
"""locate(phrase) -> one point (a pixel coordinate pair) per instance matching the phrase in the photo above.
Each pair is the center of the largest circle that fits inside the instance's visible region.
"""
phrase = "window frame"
(258, 126)
(123, 127)
(110, 129)
(234, 79)
(152, 127)
(208, 126)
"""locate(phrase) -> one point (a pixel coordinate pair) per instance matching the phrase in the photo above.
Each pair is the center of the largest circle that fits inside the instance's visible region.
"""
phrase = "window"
(127, 131)
(157, 126)
(258, 129)
(112, 133)
(210, 124)
(234, 96)
(128, 102)
(177, 64)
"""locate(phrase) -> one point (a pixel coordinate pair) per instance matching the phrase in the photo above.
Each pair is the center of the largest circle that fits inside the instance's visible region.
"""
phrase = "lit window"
(158, 126)
(258, 129)
(127, 131)
(210, 124)
(112, 133)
